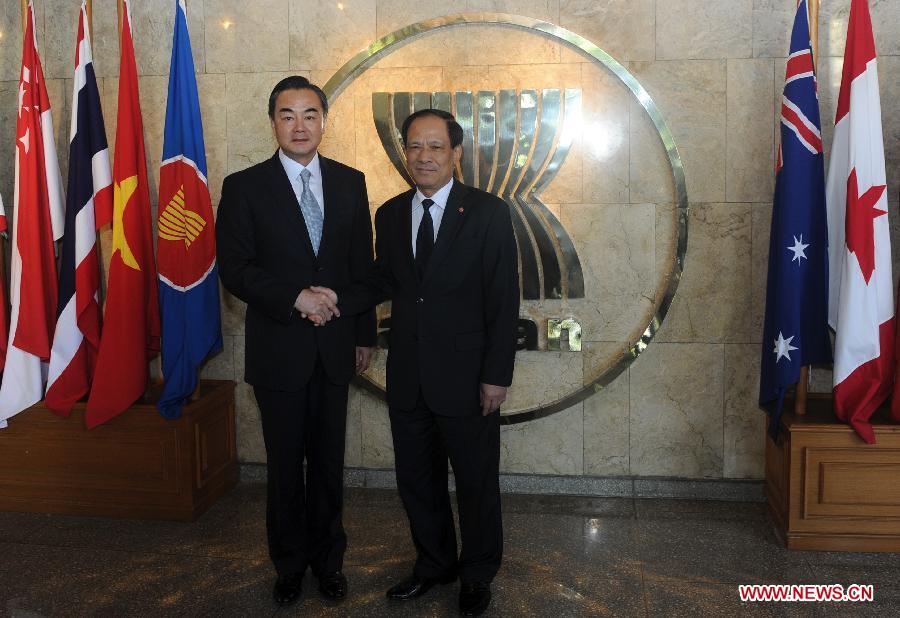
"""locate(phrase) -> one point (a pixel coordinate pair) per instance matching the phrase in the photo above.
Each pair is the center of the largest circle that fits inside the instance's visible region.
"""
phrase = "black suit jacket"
(457, 327)
(266, 258)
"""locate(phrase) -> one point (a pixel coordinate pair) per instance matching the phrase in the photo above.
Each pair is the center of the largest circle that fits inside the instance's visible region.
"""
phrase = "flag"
(77, 337)
(39, 220)
(186, 244)
(4, 315)
(795, 331)
(861, 299)
(130, 335)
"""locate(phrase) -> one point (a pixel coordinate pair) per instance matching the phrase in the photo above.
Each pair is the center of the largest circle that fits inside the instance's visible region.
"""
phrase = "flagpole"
(802, 390)
(88, 5)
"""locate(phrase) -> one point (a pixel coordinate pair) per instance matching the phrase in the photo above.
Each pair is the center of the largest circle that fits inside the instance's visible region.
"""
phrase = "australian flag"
(186, 244)
(796, 323)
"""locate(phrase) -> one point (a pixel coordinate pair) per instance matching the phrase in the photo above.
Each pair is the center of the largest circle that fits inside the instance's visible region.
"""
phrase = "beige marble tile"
(745, 422)
(701, 29)
(395, 14)
(761, 224)
(542, 378)
(60, 93)
(566, 187)
(324, 35)
(233, 313)
(750, 158)
(222, 365)
(833, 17)
(606, 429)
(820, 379)
(106, 39)
(541, 9)
(11, 39)
(625, 29)
(250, 138)
(339, 141)
(57, 47)
(504, 45)
(213, 106)
(605, 137)
(440, 48)
(549, 445)
(772, 23)
(246, 36)
(715, 291)
(377, 444)
(889, 81)
(248, 429)
(616, 245)
(690, 95)
(353, 446)
(240, 352)
(8, 103)
(676, 412)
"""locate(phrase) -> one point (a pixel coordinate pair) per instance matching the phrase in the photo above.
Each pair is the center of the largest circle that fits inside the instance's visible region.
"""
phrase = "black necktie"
(424, 238)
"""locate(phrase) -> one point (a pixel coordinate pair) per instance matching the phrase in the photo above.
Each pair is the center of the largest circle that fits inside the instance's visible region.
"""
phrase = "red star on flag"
(861, 211)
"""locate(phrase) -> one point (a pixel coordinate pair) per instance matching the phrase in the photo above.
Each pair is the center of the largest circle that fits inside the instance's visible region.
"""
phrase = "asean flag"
(130, 337)
(186, 244)
(861, 296)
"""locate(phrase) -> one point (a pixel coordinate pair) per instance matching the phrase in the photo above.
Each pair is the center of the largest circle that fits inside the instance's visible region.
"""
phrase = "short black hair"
(296, 82)
(453, 128)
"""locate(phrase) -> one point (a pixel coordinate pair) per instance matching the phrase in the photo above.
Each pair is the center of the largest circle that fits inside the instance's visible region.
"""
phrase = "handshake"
(317, 304)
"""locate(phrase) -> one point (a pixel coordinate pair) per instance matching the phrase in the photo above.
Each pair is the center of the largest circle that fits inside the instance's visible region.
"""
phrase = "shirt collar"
(293, 169)
(439, 198)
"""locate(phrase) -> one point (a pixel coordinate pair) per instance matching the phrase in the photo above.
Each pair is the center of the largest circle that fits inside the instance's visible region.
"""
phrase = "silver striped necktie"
(311, 212)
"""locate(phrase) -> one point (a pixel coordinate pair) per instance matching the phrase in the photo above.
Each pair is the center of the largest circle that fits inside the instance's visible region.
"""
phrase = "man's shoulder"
(336, 167)
(251, 175)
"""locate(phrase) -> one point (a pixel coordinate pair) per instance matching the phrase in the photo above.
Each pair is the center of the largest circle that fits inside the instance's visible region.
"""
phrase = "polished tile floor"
(565, 556)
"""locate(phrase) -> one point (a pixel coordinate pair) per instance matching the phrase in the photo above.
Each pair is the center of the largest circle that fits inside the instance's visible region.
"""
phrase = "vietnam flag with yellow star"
(861, 289)
(130, 337)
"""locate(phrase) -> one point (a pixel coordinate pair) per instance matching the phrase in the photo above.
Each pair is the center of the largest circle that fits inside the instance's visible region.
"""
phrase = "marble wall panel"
(745, 422)
(8, 109)
(606, 426)
(889, 81)
(221, 365)
(395, 14)
(353, 446)
(715, 291)
(761, 224)
(11, 39)
(550, 445)
(543, 376)
(691, 97)
(339, 141)
(772, 22)
(701, 29)
(377, 445)
(833, 17)
(247, 36)
(616, 244)
(605, 137)
(548, 10)
(676, 411)
(750, 140)
(324, 35)
(625, 29)
(251, 447)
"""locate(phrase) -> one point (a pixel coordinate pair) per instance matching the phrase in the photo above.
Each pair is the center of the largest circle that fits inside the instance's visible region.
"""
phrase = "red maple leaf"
(859, 225)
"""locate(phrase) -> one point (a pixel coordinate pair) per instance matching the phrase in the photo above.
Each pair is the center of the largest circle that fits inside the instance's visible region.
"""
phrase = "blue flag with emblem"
(186, 241)
(795, 331)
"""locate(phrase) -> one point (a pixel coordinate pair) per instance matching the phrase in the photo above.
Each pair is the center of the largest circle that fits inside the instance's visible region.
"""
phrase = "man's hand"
(318, 307)
(491, 398)
(363, 358)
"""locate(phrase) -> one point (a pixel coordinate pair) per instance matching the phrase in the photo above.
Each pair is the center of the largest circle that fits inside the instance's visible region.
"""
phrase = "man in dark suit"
(446, 258)
(295, 221)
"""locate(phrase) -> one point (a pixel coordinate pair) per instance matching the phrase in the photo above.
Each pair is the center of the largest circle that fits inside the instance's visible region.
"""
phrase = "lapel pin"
(461, 209)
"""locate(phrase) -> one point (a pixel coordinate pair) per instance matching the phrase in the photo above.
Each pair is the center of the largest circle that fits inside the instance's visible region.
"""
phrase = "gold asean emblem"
(516, 141)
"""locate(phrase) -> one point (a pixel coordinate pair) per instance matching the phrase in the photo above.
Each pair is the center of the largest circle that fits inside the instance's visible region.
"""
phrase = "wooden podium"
(829, 490)
(138, 465)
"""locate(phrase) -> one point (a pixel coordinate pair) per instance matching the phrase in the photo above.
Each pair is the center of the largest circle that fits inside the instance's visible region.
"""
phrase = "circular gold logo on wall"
(571, 141)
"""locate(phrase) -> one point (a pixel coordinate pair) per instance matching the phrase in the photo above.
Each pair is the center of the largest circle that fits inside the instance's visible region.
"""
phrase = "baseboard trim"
(728, 490)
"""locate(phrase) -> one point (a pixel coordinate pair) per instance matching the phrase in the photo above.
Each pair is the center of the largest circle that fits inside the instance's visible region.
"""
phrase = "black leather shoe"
(415, 586)
(333, 585)
(474, 598)
(287, 588)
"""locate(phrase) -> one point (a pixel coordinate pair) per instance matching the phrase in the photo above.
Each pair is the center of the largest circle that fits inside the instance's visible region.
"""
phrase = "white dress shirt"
(437, 210)
(293, 169)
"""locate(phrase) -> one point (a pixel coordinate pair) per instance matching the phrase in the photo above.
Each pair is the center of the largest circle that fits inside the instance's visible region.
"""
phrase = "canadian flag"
(861, 296)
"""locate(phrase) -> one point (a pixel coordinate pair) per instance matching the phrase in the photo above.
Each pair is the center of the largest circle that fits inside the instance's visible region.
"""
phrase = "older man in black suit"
(446, 258)
(294, 221)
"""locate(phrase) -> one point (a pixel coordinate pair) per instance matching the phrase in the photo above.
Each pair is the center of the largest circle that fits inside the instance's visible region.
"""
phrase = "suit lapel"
(286, 202)
(330, 193)
(404, 224)
(454, 213)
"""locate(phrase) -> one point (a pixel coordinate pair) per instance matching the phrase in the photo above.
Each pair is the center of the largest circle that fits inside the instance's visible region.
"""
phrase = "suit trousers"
(423, 442)
(304, 513)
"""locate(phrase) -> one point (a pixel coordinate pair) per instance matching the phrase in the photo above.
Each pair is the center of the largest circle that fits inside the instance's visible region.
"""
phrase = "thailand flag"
(186, 245)
(796, 327)
(861, 299)
(39, 221)
(77, 338)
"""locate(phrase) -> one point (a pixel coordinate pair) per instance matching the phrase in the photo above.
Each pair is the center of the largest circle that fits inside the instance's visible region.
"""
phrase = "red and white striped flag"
(38, 205)
(77, 337)
(861, 295)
